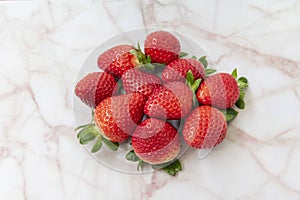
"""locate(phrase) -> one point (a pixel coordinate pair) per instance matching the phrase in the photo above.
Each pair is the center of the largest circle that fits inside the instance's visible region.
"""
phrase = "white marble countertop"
(42, 47)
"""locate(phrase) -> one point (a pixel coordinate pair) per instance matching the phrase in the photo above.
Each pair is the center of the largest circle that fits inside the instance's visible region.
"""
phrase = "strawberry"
(205, 127)
(95, 87)
(177, 70)
(117, 60)
(118, 116)
(171, 101)
(155, 141)
(138, 81)
(162, 47)
(218, 90)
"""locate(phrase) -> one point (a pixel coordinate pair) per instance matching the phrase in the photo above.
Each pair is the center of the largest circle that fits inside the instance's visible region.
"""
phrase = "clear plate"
(82, 113)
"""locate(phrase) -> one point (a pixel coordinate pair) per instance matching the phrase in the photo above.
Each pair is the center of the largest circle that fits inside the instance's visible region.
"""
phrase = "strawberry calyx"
(193, 85)
(230, 114)
(90, 132)
(191, 82)
(143, 60)
(204, 62)
(131, 156)
(183, 54)
(171, 168)
(243, 85)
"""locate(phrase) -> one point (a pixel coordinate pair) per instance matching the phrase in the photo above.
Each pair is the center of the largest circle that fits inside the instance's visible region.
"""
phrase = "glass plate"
(82, 113)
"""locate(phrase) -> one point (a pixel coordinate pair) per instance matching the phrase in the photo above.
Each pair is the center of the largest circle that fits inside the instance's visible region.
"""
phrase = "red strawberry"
(118, 116)
(171, 101)
(138, 81)
(162, 47)
(219, 90)
(155, 141)
(177, 70)
(205, 127)
(117, 60)
(95, 87)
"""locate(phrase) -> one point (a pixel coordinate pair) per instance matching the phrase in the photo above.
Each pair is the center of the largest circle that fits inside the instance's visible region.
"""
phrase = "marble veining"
(42, 47)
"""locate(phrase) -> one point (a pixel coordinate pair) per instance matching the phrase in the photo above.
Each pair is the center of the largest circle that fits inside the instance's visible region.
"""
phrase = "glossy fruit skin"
(162, 47)
(204, 128)
(177, 70)
(117, 60)
(219, 90)
(135, 80)
(155, 141)
(95, 87)
(171, 101)
(118, 116)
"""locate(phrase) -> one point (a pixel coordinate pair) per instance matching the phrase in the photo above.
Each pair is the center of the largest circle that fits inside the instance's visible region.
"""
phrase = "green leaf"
(230, 114)
(242, 94)
(148, 67)
(148, 59)
(134, 52)
(196, 85)
(138, 46)
(242, 85)
(190, 78)
(93, 114)
(97, 146)
(242, 82)
(87, 135)
(194, 57)
(173, 168)
(204, 62)
(159, 65)
(234, 73)
(183, 54)
(210, 71)
(195, 100)
(170, 171)
(131, 156)
(243, 79)
(140, 164)
(240, 103)
(111, 145)
(142, 58)
(84, 126)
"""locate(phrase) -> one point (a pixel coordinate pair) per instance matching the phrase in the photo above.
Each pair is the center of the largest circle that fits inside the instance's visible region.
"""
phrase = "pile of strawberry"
(139, 97)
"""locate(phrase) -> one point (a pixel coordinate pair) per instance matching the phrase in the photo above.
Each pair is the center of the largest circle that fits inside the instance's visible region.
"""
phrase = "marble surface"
(42, 47)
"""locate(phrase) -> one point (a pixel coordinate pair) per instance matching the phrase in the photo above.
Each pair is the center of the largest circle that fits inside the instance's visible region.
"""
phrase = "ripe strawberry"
(118, 116)
(171, 101)
(117, 60)
(205, 127)
(95, 87)
(155, 141)
(162, 47)
(138, 81)
(219, 90)
(177, 70)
